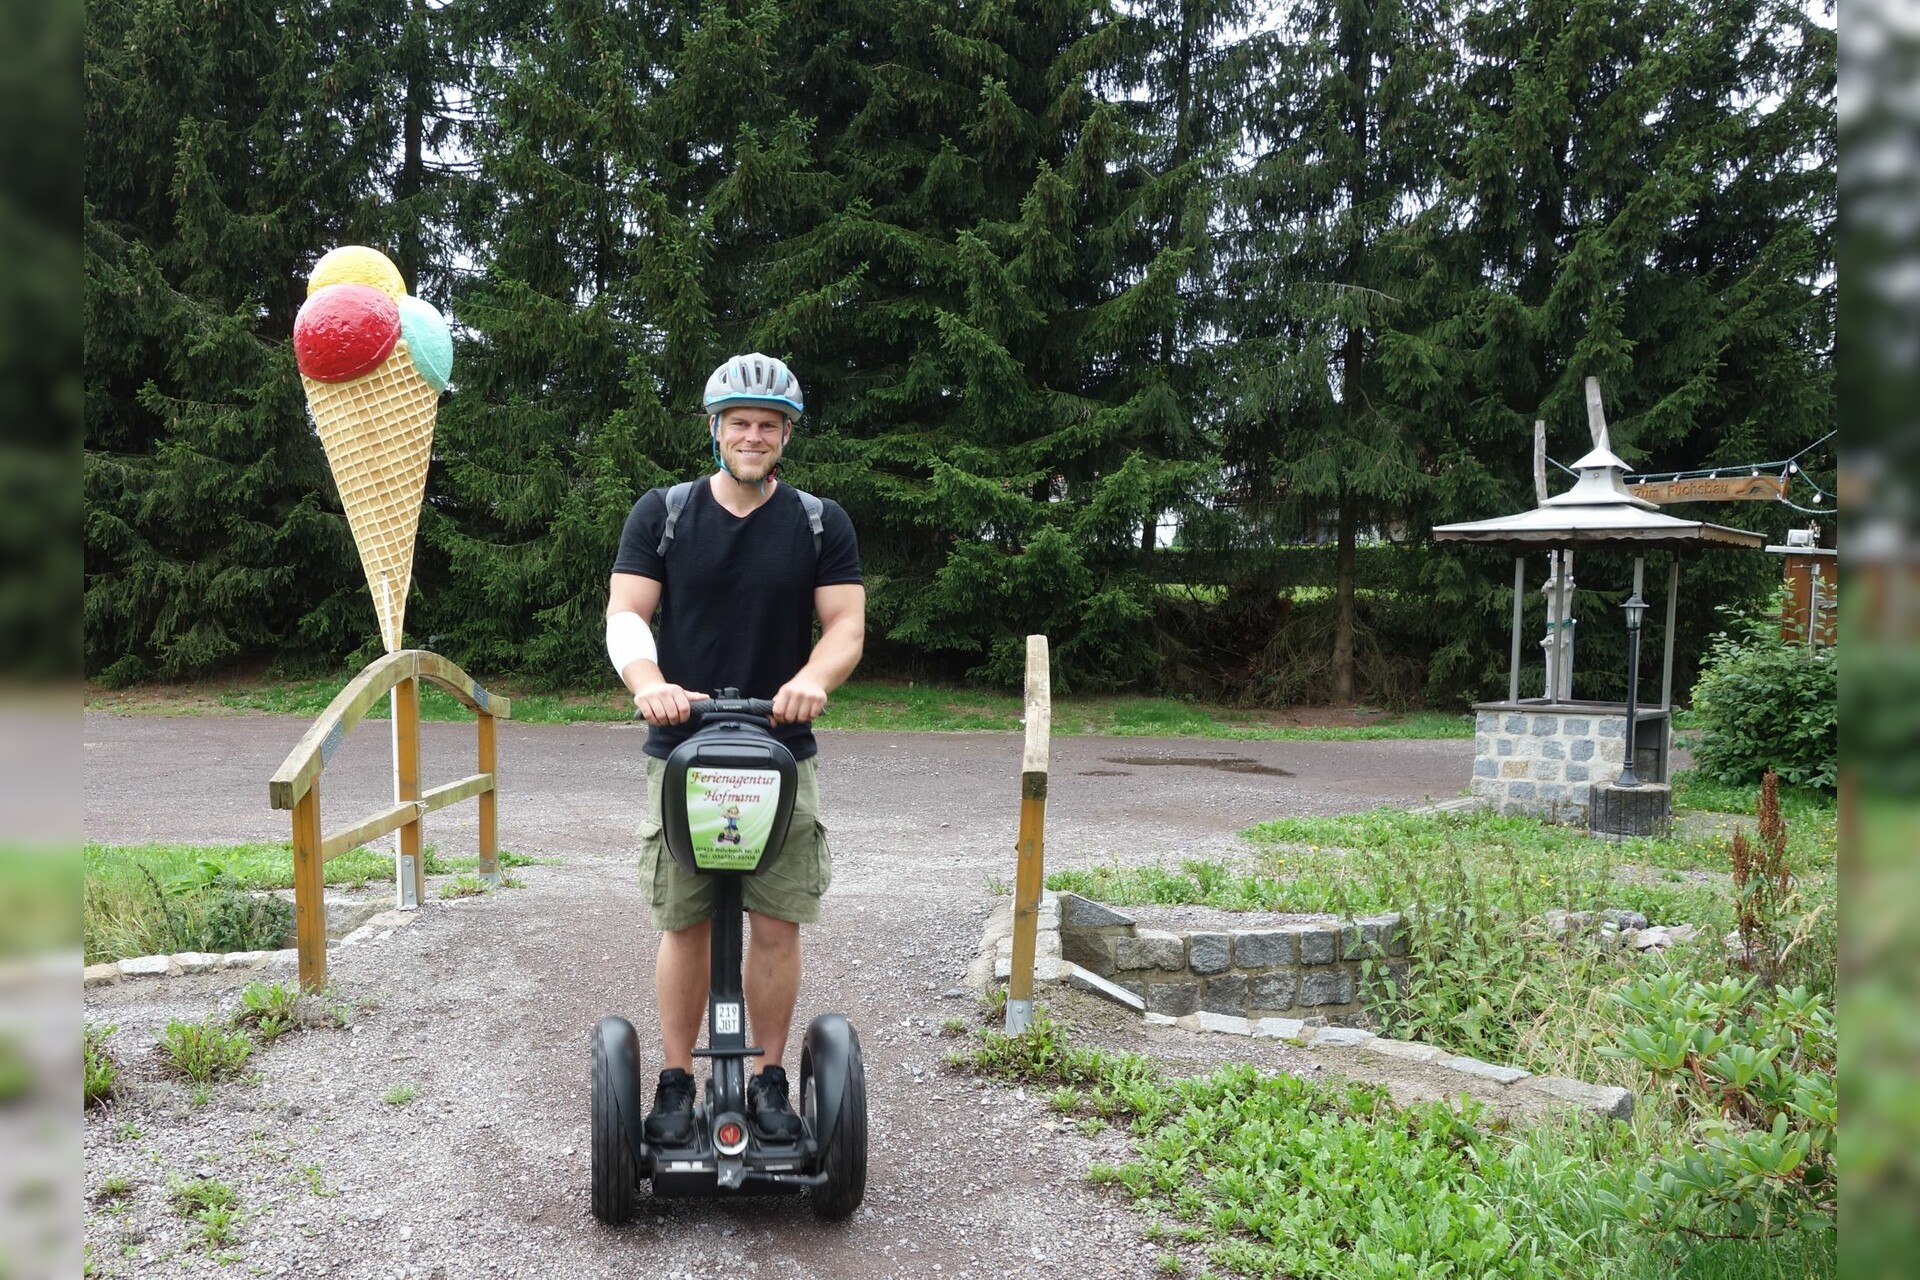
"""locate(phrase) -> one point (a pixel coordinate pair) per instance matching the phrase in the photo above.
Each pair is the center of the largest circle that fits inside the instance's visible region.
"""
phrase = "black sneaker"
(767, 1100)
(671, 1121)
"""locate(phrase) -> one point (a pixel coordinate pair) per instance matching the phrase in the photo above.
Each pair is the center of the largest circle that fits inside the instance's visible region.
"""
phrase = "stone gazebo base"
(1544, 758)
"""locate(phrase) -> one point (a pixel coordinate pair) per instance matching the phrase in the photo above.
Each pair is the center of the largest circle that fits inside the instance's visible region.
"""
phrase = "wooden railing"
(296, 786)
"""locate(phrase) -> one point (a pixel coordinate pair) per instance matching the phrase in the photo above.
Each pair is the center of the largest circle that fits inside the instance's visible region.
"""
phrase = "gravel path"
(483, 1007)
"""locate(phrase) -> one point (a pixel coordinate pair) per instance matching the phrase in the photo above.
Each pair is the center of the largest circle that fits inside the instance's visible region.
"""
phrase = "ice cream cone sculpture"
(374, 361)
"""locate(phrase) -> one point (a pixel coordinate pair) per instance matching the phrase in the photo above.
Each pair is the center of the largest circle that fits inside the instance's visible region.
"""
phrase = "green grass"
(1277, 1175)
(1484, 976)
(249, 866)
(156, 898)
(39, 896)
(141, 899)
(1691, 790)
(868, 705)
(923, 708)
(400, 1095)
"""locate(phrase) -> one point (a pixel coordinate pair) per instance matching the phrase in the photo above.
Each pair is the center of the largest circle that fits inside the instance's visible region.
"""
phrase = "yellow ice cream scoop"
(357, 264)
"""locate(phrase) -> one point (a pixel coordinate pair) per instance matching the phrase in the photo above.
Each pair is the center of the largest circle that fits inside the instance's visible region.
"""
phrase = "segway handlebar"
(700, 708)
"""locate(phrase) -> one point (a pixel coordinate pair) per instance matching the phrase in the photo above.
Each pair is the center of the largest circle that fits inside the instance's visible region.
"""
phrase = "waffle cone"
(378, 433)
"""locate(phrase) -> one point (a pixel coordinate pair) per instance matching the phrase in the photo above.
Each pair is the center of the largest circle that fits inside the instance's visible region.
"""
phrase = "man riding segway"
(734, 568)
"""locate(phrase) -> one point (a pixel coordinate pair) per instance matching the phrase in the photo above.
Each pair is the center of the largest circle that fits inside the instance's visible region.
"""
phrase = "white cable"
(629, 640)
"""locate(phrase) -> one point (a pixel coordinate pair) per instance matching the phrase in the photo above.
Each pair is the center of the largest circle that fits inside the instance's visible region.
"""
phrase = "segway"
(732, 762)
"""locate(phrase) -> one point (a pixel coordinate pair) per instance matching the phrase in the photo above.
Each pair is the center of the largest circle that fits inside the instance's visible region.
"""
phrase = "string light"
(1789, 469)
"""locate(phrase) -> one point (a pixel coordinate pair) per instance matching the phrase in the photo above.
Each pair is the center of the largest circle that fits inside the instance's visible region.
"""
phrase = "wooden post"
(489, 849)
(1033, 823)
(410, 876)
(309, 890)
(1666, 661)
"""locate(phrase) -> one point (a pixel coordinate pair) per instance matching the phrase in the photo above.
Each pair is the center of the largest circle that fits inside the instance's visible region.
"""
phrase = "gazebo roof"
(1597, 511)
(1590, 526)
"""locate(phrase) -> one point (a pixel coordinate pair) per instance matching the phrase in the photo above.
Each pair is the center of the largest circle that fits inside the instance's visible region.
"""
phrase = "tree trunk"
(1359, 68)
(1343, 601)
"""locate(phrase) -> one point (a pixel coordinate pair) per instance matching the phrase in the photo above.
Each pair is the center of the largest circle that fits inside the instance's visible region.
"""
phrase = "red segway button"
(730, 1134)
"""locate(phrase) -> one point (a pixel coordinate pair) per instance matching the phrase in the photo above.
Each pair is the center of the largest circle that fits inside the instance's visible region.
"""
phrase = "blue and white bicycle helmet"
(757, 380)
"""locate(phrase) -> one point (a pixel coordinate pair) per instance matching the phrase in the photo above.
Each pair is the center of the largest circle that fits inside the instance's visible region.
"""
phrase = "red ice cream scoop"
(344, 330)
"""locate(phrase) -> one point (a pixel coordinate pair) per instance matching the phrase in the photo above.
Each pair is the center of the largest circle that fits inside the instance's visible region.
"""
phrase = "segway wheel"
(613, 1174)
(843, 1153)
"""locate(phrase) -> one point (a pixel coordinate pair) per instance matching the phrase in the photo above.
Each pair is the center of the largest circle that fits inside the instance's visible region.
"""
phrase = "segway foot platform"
(725, 1156)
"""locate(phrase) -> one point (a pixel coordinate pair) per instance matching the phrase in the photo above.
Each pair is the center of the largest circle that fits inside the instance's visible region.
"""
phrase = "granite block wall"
(1306, 970)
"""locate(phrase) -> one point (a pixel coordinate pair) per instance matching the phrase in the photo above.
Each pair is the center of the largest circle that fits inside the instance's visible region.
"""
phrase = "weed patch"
(270, 1008)
(114, 1187)
(212, 1205)
(204, 1051)
(464, 886)
(99, 1071)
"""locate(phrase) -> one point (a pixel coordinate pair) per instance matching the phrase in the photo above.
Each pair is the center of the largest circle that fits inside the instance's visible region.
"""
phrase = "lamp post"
(1636, 610)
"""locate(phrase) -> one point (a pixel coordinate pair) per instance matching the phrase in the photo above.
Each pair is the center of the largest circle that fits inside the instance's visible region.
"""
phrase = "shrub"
(230, 920)
(1762, 702)
(206, 1050)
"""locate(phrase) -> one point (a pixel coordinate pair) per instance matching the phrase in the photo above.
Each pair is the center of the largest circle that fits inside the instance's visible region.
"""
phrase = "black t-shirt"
(736, 599)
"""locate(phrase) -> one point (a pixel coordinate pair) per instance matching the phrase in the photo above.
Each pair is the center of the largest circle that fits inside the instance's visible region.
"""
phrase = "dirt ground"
(483, 1007)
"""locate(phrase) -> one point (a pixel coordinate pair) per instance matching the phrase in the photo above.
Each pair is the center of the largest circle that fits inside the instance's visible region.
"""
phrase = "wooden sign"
(1715, 489)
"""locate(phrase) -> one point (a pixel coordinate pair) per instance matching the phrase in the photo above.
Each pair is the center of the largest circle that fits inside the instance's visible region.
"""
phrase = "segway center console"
(726, 803)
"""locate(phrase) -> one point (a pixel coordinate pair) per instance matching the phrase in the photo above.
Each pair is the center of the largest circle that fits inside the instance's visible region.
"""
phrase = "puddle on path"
(1225, 764)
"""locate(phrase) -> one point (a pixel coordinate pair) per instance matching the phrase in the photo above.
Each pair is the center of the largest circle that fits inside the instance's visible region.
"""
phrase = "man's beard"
(752, 468)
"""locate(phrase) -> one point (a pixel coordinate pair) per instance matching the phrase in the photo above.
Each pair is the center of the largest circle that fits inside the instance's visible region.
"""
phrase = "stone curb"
(994, 962)
(182, 963)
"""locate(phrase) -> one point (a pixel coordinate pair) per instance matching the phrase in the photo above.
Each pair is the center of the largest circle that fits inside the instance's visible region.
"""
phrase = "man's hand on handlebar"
(798, 700)
(664, 703)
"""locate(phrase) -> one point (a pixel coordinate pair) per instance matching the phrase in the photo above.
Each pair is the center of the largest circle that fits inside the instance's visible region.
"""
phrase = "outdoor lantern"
(1636, 610)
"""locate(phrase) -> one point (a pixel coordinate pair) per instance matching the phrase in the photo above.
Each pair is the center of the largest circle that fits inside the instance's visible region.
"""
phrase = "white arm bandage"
(628, 641)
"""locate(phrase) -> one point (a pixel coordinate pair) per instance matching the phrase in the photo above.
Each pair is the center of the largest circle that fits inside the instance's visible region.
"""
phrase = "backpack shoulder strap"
(676, 503)
(814, 507)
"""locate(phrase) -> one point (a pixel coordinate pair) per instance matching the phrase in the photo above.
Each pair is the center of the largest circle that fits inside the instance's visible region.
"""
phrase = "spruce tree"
(970, 282)
(583, 318)
(226, 147)
(1324, 276)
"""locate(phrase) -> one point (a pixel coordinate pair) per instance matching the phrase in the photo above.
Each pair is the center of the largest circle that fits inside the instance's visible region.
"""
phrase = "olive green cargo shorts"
(787, 887)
